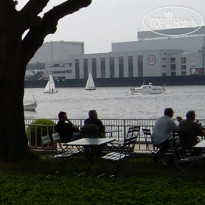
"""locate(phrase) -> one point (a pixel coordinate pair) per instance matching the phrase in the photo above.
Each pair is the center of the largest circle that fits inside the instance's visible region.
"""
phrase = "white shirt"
(164, 127)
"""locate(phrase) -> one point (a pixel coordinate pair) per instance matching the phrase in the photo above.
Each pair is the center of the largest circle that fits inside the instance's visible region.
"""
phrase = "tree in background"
(21, 34)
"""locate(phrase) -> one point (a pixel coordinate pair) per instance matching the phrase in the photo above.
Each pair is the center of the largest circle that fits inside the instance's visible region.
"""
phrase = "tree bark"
(13, 140)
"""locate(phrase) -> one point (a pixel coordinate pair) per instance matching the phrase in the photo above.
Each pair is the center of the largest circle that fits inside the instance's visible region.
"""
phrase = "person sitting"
(95, 128)
(163, 130)
(93, 120)
(66, 129)
(189, 132)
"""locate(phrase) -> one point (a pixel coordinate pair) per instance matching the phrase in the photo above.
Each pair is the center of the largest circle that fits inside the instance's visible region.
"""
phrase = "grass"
(140, 181)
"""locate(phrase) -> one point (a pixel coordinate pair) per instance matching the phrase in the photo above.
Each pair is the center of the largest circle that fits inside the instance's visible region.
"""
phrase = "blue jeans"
(76, 136)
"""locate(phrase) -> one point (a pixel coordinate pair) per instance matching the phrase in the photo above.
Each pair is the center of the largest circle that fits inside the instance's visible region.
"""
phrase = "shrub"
(35, 131)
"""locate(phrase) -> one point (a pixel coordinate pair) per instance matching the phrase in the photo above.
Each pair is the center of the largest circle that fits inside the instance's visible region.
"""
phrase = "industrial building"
(151, 55)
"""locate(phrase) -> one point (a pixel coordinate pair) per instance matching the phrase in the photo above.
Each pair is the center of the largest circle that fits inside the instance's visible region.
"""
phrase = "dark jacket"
(65, 130)
(189, 131)
(96, 122)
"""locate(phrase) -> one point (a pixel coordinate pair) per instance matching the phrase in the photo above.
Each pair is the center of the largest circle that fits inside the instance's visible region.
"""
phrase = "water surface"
(116, 102)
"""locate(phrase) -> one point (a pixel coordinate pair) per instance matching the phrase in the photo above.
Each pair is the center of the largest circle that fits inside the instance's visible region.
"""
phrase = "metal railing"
(35, 131)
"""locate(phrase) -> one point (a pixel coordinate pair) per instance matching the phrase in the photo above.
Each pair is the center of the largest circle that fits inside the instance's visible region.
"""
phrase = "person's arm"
(69, 121)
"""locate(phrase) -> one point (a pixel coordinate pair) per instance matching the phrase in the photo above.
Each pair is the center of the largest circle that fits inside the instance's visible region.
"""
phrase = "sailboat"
(31, 106)
(90, 85)
(50, 86)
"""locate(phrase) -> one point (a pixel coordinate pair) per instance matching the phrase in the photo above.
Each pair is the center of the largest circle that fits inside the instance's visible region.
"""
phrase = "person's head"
(190, 115)
(92, 114)
(62, 116)
(169, 112)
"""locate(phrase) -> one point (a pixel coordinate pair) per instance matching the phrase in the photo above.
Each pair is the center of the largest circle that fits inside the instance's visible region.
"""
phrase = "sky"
(109, 21)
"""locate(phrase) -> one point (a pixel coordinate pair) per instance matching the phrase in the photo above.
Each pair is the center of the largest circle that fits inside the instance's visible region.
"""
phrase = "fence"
(35, 131)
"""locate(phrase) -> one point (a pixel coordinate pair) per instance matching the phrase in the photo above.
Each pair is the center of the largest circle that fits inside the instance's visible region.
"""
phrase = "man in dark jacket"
(189, 131)
(93, 119)
(65, 128)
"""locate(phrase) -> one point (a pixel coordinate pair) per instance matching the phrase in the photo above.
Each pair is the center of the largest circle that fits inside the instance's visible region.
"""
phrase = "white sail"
(90, 85)
(50, 86)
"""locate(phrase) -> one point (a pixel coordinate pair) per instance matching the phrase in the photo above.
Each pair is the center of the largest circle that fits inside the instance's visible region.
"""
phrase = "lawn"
(140, 181)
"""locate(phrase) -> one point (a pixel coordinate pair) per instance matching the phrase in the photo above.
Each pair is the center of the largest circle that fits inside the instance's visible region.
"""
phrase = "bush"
(34, 130)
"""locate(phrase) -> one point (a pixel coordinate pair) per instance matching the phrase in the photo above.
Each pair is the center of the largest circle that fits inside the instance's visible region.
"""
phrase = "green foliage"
(27, 183)
(43, 122)
(36, 129)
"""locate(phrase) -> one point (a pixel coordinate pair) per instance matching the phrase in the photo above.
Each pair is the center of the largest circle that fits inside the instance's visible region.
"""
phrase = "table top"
(89, 142)
(201, 144)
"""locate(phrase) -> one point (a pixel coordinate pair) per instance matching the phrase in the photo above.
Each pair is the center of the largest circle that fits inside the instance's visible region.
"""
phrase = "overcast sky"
(107, 21)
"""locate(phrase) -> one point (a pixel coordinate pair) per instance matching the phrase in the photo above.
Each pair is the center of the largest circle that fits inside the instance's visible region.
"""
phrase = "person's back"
(95, 121)
(189, 131)
(163, 129)
(65, 131)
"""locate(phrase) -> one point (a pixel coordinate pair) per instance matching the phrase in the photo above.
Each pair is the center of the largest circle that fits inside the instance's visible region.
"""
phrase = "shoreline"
(119, 82)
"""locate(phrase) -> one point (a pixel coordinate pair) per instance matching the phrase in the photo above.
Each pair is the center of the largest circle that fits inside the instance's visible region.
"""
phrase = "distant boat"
(90, 85)
(50, 86)
(147, 89)
(31, 106)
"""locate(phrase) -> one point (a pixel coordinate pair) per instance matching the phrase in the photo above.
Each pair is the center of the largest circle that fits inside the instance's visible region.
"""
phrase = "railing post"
(35, 137)
(124, 125)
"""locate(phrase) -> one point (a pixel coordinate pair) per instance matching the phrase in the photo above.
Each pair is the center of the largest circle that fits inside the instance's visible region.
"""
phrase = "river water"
(116, 102)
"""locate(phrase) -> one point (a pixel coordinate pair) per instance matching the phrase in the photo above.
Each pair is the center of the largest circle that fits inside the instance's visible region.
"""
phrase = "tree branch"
(48, 25)
(65, 8)
(33, 8)
(29, 13)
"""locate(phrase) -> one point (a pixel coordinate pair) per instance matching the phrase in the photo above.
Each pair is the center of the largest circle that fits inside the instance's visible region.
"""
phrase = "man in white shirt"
(164, 127)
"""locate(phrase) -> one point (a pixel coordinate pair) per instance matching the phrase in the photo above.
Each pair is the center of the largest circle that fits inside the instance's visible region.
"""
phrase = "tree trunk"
(13, 140)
